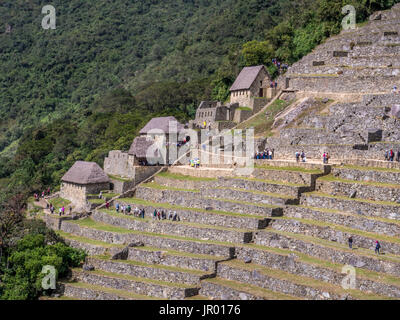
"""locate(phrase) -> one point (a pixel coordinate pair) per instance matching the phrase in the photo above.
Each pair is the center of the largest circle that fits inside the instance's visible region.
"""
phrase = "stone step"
(362, 207)
(187, 199)
(136, 285)
(303, 265)
(269, 186)
(222, 289)
(369, 190)
(178, 228)
(144, 270)
(350, 220)
(327, 250)
(283, 282)
(367, 174)
(338, 234)
(196, 215)
(84, 291)
(111, 234)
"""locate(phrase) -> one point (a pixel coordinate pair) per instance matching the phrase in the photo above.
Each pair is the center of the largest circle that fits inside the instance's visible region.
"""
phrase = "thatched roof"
(162, 123)
(85, 173)
(139, 147)
(246, 78)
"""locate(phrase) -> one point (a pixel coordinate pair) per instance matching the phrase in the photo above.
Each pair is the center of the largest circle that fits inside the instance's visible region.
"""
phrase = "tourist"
(394, 89)
(101, 194)
(303, 156)
(324, 157)
(48, 191)
(170, 215)
(276, 84)
(387, 155)
(273, 154)
(398, 156)
(43, 194)
(175, 217)
(158, 215)
(327, 157)
(391, 155)
(155, 214)
(297, 156)
(377, 247)
(59, 212)
(107, 205)
(63, 210)
(117, 207)
(350, 240)
(142, 213)
(129, 209)
(163, 215)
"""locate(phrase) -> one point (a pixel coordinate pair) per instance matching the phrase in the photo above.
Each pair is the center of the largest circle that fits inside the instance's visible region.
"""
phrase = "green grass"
(119, 178)
(96, 201)
(261, 123)
(247, 203)
(158, 266)
(244, 109)
(332, 178)
(268, 194)
(369, 168)
(59, 203)
(188, 224)
(325, 195)
(88, 240)
(294, 169)
(289, 184)
(154, 185)
(137, 279)
(177, 176)
(176, 207)
(179, 253)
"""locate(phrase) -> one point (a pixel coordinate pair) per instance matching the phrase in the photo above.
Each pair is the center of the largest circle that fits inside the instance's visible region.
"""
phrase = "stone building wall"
(77, 194)
(119, 163)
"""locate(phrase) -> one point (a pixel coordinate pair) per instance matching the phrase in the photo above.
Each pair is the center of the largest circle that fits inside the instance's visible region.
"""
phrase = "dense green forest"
(87, 87)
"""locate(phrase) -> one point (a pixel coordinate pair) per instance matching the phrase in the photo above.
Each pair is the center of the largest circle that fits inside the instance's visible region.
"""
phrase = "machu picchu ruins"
(156, 228)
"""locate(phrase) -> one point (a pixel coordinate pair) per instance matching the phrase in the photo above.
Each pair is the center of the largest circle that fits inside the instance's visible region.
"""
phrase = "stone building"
(210, 112)
(81, 179)
(251, 83)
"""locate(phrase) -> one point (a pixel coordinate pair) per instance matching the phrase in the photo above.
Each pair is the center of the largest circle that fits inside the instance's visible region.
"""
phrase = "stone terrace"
(279, 234)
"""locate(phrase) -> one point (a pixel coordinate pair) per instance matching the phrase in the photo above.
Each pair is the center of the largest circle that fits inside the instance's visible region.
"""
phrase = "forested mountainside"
(87, 87)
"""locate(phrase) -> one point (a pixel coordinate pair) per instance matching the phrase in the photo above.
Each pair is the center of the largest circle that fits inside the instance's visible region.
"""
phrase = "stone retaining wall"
(174, 228)
(367, 175)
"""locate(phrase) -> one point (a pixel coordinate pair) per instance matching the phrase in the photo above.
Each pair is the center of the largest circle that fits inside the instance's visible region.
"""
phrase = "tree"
(257, 53)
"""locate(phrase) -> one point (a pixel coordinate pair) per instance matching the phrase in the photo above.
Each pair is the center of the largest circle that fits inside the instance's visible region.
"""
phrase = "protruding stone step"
(140, 286)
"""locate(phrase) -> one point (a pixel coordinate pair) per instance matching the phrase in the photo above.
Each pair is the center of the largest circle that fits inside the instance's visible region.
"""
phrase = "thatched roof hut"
(83, 173)
(246, 78)
(166, 124)
(139, 147)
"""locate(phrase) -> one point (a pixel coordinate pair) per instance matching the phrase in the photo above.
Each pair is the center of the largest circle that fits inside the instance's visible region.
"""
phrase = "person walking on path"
(350, 242)
(377, 247)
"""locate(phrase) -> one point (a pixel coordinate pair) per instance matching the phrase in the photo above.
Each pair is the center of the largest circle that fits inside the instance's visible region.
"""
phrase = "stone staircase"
(278, 234)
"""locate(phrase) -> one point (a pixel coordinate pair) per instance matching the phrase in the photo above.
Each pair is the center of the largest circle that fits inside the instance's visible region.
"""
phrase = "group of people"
(163, 215)
(44, 193)
(377, 245)
(61, 210)
(390, 154)
(300, 155)
(280, 65)
(274, 84)
(266, 154)
(326, 157)
(194, 163)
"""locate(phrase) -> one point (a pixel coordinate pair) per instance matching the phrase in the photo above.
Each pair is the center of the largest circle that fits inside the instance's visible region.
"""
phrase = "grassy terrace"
(165, 205)
(88, 240)
(331, 178)
(337, 267)
(275, 195)
(328, 211)
(119, 178)
(325, 195)
(154, 185)
(59, 203)
(338, 246)
(366, 234)
(91, 224)
(137, 279)
(178, 253)
(158, 266)
(120, 293)
(290, 169)
(264, 205)
(289, 184)
(256, 291)
(369, 168)
(177, 176)
(188, 224)
(301, 280)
